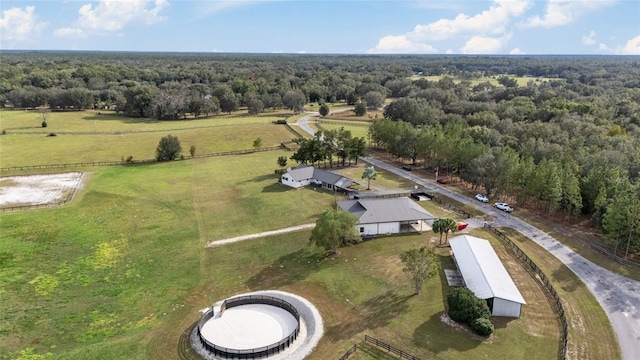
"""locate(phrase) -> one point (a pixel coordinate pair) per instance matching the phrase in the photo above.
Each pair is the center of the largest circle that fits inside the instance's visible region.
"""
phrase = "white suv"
(503, 206)
(482, 198)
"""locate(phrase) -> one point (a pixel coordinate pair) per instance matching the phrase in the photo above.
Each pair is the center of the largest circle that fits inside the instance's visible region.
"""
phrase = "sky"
(598, 27)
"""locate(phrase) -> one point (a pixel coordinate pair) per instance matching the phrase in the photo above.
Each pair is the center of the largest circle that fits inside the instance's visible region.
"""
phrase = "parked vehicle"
(443, 181)
(503, 206)
(406, 167)
(482, 198)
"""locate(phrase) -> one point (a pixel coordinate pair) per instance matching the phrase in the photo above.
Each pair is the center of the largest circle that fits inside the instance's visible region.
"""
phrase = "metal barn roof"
(371, 211)
(482, 270)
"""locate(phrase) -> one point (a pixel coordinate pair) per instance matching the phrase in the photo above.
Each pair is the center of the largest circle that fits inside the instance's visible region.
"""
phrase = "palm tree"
(444, 226)
(369, 174)
(449, 225)
(438, 228)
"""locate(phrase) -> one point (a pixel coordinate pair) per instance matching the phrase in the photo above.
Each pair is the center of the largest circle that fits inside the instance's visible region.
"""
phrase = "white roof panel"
(482, 270)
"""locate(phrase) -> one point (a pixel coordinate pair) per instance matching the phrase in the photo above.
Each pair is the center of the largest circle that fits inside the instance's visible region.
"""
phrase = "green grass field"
(121, 272)
(117, 138)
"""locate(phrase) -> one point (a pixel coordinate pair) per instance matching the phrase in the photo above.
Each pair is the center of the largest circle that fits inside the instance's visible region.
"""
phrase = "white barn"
(483, 273)
(304, 175)
(387, 216)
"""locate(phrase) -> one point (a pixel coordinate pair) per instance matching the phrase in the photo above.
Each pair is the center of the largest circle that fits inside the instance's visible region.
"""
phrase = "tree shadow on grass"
(288, 269)
(375, 312)
(437, 336)
(564, 278)
(446, 262)
(501, 322)
(261, 178)
(275, 188)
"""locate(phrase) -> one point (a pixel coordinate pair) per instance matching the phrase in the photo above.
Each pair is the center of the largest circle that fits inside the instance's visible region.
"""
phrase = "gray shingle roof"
(304, 172)
(482, 270)
(371, 211)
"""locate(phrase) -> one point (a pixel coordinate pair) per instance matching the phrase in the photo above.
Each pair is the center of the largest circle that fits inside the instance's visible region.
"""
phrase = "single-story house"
(483, 273)
(304, 175)
(387, 215)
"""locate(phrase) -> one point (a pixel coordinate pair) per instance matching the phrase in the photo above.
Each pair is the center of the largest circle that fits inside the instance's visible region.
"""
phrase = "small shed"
(483, 273)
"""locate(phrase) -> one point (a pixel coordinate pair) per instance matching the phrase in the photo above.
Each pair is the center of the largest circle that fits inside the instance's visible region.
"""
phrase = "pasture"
(121, 272)
(521, 80)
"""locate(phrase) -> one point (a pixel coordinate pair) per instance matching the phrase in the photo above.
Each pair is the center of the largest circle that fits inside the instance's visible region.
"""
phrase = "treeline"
(329, 145)
(562, 146)
(174, 86)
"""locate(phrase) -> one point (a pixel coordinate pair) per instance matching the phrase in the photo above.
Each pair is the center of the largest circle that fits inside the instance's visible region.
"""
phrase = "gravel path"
(258, 235)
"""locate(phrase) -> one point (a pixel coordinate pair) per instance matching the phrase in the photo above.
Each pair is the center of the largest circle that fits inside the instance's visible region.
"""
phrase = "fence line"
(134, 162)
(44, 131)
(256, 353)
(451, 207)
(349, 352)
(553, 296)
(342, 122)
(603, 249)
(389, 348)
(290, 128)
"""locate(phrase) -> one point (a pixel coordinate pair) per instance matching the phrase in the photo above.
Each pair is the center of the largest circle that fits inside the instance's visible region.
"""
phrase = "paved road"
(618, 295)
(303, 123)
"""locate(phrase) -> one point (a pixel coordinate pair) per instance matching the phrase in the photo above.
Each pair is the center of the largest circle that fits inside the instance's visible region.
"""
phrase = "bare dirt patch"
(36, 190)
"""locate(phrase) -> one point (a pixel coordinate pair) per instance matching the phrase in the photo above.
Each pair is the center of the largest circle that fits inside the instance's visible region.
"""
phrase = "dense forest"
(567, 141)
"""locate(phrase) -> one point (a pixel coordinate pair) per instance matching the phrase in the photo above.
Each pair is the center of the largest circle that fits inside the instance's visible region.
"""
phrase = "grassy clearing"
(25, 149)
(521, 80)
(356, 131)
(106, 121)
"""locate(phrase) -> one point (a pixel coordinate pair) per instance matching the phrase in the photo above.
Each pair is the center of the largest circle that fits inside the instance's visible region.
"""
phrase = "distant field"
(358, 129)
(117, 138)
(522, 81)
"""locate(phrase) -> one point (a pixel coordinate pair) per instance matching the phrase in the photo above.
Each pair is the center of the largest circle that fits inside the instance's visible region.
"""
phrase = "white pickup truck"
(503, 206)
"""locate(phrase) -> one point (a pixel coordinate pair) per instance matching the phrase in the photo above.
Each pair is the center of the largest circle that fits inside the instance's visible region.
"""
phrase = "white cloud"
(490, 24)
(69, 33)
(589, 39)
(401, 45)
(493, 21)
(516, 51)
(484, 45)
(19, 24)
(112, 16)
(603, 47)
(632, 47)
(563, 12)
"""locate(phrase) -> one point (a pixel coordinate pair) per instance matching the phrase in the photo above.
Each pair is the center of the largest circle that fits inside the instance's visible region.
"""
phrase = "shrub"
(465, 306)
(44, 124)
(168, 148)
(281, 121)
(192, 150)
(360, 109)
(482, 326)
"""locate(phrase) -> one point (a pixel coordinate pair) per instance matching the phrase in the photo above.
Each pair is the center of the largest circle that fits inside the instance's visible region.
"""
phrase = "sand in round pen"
(249, 327)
